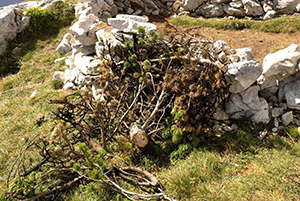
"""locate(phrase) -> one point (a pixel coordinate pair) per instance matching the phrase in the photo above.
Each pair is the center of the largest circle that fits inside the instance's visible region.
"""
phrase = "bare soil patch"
(261, 43)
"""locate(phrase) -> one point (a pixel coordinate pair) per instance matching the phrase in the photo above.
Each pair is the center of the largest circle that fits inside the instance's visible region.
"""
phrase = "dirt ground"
(261, 43)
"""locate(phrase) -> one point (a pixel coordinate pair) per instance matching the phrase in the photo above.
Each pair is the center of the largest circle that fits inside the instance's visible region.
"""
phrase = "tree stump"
(138, 136)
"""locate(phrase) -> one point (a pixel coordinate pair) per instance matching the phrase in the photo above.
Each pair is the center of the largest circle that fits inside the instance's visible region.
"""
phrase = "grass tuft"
(288, 24)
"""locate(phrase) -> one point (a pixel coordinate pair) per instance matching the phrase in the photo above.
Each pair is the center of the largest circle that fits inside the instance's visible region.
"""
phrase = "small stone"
(273, 99)
(58, 75)
(297, 122)
(220, 115)
(262, 134)
(183, 13)
(69, 85)
(283, 105)
(276, 112)
(33, 94)
(217, 128)
(59, 59)
(287, 118)
(276, 122)
(274, 130)
(227, 128)
(234, 126)
(129, 10)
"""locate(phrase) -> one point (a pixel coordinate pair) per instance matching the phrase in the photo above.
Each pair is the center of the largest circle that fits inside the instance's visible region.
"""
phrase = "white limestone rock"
(82, 62)
(69, 85)
(9, 27)
(24, 23)
(65, 45)
(235, 107)
(267, 5)
(220, 115)
(241, 75)
(236, 4)
(276, 112)
(282, 63)
(255, 107)
(95, 90)
(59, 59)
(253, 8)
(84, 30)
(267, 83)
(259, 112)
(285, 6)
(219, 1)
(71, 75)
(244, 54)
(232, 11)
(58, 75)
(287, 118)
(268, 86)
(298, 8)
(210, 10)
(11, 24)
(269, 15)
(291, 92)
(191, 5)
(130, 23)
(106, 37)
(29, 4)
(250, 95)
(133, 17)
(220, 46)
(103, 5)
(79, 8)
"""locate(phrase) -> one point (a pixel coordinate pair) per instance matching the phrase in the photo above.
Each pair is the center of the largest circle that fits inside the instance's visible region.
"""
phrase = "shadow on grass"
(243, 140)
(19, 47)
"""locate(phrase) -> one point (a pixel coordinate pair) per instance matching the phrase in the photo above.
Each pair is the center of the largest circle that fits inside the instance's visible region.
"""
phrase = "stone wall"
(104, 9)
(263, 94)
(265, 9)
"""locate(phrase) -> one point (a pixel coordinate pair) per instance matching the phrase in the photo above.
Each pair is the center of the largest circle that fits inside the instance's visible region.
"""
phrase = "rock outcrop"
(11, 24)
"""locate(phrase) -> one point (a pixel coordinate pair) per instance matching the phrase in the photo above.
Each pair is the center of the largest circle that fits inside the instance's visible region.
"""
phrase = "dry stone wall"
(258, 9)
(104, 9)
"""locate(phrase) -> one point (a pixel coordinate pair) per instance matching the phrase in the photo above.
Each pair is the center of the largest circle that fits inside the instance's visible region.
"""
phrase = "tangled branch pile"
(154, 92)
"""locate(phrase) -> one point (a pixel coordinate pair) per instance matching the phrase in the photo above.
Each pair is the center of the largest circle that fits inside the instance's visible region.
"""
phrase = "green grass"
(27, 70)
(211, 175)
(18, 111)
(287, 24)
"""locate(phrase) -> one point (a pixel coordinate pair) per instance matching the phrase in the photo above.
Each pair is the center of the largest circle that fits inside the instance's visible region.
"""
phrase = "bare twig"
(141, 86)
(18, 158)
(158, 103)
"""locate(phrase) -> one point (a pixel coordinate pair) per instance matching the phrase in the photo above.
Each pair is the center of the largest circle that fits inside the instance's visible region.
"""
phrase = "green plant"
(293, 133)
(63, 12)
(40, 20)
(276, 25)
(57, 84)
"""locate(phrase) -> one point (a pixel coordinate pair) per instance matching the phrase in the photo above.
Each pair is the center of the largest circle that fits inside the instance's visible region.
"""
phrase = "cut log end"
(138, 136)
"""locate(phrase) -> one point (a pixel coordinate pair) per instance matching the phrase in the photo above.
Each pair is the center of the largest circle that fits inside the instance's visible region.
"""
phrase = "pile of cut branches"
(154, 90)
